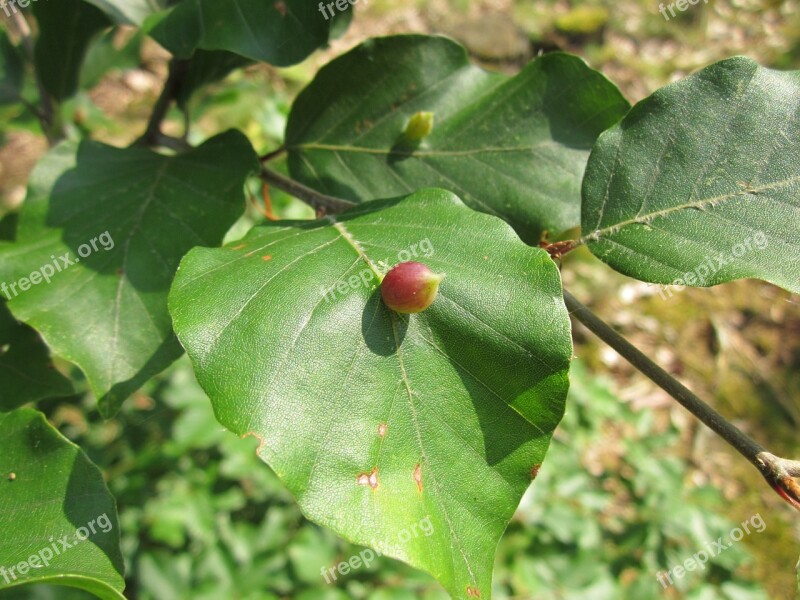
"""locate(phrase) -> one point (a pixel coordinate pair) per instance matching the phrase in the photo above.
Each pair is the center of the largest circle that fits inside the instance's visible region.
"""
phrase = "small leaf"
(111, 225)
(26, 370)
(700, 183)
(515, 147)
(280, 32)
(65, 29)
(385, 426)
(59, 520)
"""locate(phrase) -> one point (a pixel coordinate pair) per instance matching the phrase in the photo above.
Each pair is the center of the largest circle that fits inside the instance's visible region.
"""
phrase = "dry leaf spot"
(535, 470)
(266, 257)
(473, 592)
(260, 441)
(239, 247)
(382, 429)
(370, 479)
(418, 476)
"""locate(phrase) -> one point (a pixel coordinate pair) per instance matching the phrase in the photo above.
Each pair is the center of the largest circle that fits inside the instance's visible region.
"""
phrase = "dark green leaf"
(700, 183)
(12, 70)
(386, 426)
(26, 371)
(59, 520)
(281, 32)
(206, 67)
(515, 147)
(108, 313)
(65, 29)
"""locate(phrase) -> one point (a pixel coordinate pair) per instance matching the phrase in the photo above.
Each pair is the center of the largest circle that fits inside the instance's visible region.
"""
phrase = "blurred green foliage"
(203, 518)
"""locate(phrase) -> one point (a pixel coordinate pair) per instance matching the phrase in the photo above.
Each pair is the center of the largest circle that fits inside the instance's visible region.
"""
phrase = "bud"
(410, 287)
(419, 127)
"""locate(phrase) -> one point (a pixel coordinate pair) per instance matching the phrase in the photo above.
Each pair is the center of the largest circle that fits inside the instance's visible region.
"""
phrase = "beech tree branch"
(312, 197)
(779, 472)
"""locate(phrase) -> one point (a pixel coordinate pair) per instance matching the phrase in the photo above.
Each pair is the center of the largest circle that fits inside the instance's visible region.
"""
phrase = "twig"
(778, 472)
(313, 198)
(177, 71)
(47, 113)
(272, 155)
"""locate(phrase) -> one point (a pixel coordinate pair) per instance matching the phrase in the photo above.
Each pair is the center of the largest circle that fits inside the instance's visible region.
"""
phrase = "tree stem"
(777, 471)
(311, 197)
(48, 113)
(177, 70)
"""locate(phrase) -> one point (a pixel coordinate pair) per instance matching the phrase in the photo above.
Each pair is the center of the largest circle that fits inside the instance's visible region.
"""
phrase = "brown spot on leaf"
(535, 471)
(382, 429)
(280, 6)
(370, 479)
(266, 257)
(473, 592)
(120, 272)
(239, 247)
(418, 476)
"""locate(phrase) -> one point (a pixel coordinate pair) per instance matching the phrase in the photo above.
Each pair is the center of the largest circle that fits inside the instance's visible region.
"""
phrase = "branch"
(778, 472)
(272, 155)
(177, 71)
(47, 114)
(313, 198)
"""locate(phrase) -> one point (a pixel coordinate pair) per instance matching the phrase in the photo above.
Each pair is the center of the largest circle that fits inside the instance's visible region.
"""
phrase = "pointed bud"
(419, 127)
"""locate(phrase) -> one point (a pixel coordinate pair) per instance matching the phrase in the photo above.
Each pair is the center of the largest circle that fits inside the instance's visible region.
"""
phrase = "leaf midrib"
(703, 204)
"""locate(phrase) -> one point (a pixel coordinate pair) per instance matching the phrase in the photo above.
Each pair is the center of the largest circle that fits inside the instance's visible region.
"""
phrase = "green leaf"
(107, 312)
(515, 147)
(66, 27)
(26, 370)
(282, 32)
(130, 12)
(207, 67)
(700, 182)
(382, 424)
(12, 70)
(59, 520)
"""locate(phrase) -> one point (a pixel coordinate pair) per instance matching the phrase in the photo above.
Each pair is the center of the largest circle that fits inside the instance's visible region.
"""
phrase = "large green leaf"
(378, 421)
(65, 29)
(12, 70)
(26, 371)
(515, 147)
(107, 312)
(282, 32)
(59, 520)
(700, 183)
